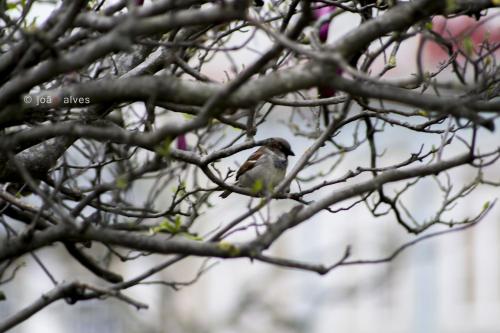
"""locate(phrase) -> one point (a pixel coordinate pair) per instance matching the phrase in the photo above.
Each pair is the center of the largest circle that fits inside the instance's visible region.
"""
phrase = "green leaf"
(486, 205)
(231, 249)
(177, 222)
(2, 296)
(423, 113)
(468, 45)
(392, 61)
(121, 182)
(168, 226)
(428, 25)
(451, 6)
(181, 189)
(164, 148)
(257, 186)
(194, 237)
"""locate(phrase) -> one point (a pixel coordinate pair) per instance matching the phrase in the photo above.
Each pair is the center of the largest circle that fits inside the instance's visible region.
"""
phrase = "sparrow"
(265, 168)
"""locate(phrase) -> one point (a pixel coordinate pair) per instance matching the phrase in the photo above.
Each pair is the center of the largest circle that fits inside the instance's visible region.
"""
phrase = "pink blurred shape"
(323, 30)
(457, 30)
(325, 91)
(328, 91)
(181, 142)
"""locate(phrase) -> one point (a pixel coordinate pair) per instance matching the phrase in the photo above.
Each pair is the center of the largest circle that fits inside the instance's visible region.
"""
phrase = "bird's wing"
(252, 161)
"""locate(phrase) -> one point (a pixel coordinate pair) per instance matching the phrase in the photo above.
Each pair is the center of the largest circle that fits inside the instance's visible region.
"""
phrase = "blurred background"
(445, 284)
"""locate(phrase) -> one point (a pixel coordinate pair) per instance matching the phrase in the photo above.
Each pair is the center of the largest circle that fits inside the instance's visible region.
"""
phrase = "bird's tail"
(225, 194)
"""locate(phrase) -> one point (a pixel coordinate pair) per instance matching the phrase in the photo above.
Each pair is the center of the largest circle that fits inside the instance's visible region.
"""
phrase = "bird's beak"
(290, 152)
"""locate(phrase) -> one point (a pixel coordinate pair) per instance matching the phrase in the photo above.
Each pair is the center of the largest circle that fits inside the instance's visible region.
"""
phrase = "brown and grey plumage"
(267, 164)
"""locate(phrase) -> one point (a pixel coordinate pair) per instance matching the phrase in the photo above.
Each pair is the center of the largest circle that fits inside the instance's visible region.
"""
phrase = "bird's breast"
(280, 164)
(270, 173)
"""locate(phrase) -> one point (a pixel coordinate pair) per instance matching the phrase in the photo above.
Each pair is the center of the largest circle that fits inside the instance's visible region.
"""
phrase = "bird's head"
(281, 145)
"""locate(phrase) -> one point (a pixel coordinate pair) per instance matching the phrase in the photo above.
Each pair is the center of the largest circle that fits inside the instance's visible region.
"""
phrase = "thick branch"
(117, 40)
(55, 294)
